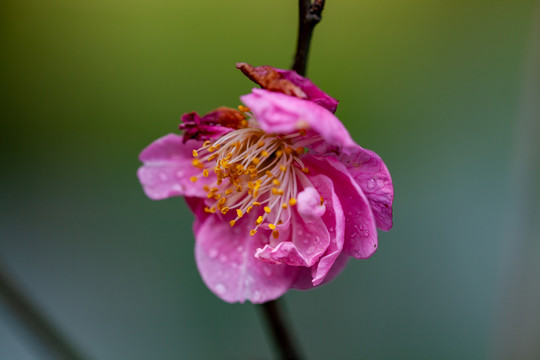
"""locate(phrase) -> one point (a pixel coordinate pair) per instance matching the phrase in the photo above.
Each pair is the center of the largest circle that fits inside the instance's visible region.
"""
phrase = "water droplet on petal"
(371, 183)
(310, 250)
(213, 253)
(223, 258)
(220, 288)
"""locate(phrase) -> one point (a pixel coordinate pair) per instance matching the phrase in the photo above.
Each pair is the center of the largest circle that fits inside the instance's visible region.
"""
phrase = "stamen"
(275, 234)
(267, 210)
(232, 222)
(193, 178)
(271, 226)
(252, 232)
(195, 153)
(292, 201)
(239, 213)
(259, 220)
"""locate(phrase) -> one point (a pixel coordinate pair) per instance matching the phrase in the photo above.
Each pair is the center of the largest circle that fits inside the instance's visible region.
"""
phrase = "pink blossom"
(282, 198)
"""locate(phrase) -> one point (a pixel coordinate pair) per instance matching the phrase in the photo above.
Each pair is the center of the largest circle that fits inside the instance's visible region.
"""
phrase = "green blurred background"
(437, 88)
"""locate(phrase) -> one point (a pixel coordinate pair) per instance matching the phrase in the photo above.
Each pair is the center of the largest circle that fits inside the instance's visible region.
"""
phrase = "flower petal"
(360, 231)
(226, 261)
(288, 82)
(335, 222)
(167, 169)
(371, 174)
(304, 246)
(279, 113)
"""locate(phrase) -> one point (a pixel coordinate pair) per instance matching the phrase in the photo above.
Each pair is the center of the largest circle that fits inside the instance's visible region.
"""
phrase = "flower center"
(253, 169)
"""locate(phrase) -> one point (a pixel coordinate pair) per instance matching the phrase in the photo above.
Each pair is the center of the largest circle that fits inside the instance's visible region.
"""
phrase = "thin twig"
(47, 338)
(309, 16)
(280, 333)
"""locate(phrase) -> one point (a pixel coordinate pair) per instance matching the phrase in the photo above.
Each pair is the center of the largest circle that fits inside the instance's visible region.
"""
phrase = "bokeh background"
(445, 91)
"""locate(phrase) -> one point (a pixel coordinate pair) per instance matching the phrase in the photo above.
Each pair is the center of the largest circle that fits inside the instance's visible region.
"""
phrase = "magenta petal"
(335, 222)
(167, 169)
(226, 261)
(312, 91)
(371, 174)
(279, 113)
(307, 244)
(360, 231)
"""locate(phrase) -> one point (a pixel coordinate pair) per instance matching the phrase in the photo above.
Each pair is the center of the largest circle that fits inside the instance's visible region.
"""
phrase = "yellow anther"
(300, 150)
(269, 174)
(289, 150)
(267, 210)
(217, 196)
(239, 213)
(282, 168)
(196, 163)
(264, 153)
(272, 226)
(279, 153)
(322, 200)
(232, 222)
(249, 209)
(214, 189)
(243, 108)
(206, 143)
(302, 132)
(193, 178)
(228, 191)
(205, 173)
(239, 167)
(305, 170)
(213, 156)
(284, 205)
(206, 188)
(252, 232)
(276, 182)
(239, 188)
(224, 210)
(195, 153)
(244, 123)
(255, 160)
(229, 156)
(260, 144)
(206, 209)
(256, 203)
(292, 201)
(259, 220)
(222, 201)
(212, 149)
(212, 210)
(275, 234)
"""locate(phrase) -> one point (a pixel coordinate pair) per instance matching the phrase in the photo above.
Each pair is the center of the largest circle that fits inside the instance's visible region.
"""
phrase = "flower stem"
(280, 333)
(309, 16)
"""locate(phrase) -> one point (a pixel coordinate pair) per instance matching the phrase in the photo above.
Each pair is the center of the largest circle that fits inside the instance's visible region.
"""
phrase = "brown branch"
(280, 333)
(309, 16)
(42, 334)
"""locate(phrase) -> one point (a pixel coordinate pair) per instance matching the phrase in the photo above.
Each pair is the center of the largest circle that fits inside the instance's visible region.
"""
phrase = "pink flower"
(282, 198)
